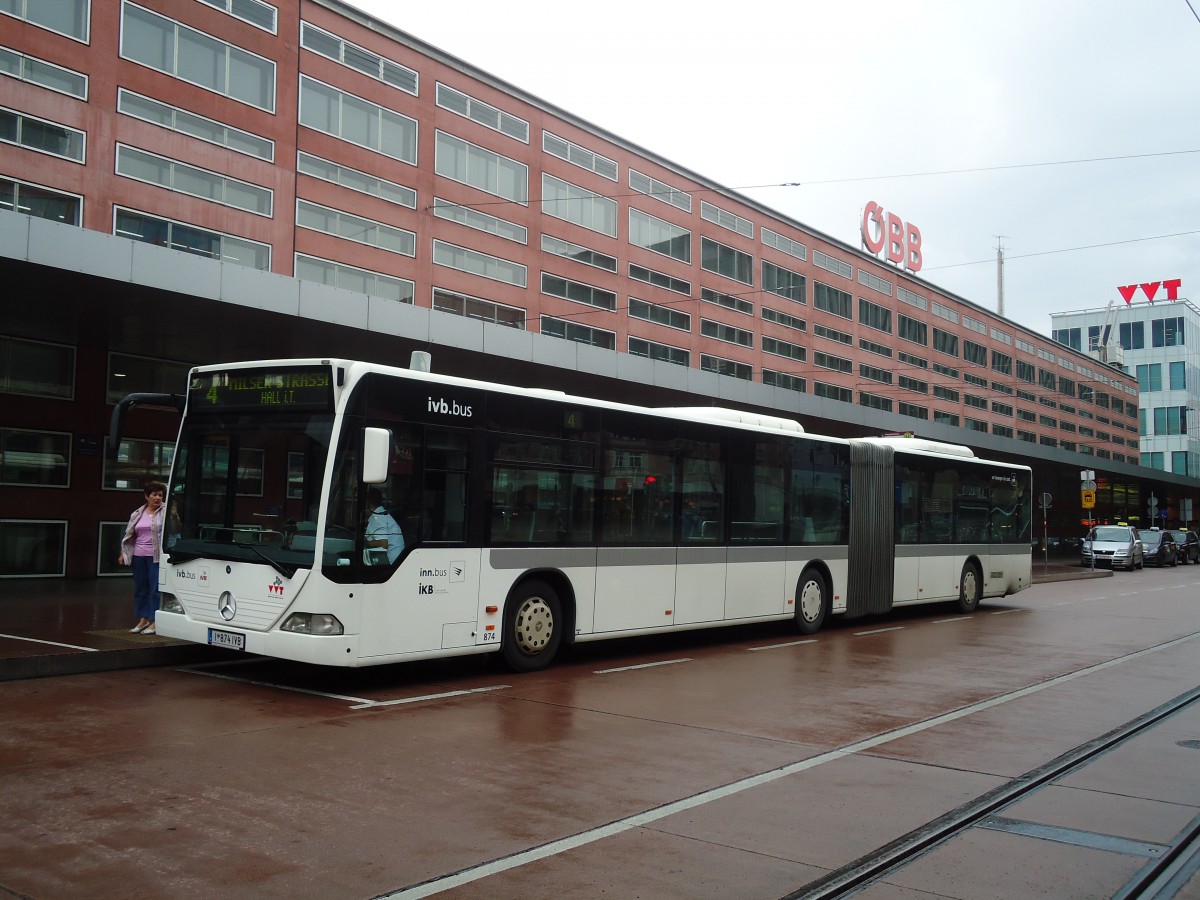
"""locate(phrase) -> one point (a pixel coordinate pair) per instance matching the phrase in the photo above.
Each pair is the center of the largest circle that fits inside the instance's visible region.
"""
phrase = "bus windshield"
(248, 487)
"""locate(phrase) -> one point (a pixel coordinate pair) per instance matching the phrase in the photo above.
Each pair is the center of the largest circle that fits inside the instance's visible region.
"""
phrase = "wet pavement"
(57, 626)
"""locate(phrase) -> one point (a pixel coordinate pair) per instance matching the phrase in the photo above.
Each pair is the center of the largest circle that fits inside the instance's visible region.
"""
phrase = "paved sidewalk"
(67, 627)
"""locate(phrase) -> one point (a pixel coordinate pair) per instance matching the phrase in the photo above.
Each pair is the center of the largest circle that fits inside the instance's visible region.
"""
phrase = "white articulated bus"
(530, 518)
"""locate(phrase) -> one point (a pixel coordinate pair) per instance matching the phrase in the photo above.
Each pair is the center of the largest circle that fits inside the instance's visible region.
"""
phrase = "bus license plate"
(228, 639)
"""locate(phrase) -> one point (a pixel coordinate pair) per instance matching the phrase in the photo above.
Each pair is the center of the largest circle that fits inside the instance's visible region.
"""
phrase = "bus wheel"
(970, 588)
(812, 602)
(532, 627)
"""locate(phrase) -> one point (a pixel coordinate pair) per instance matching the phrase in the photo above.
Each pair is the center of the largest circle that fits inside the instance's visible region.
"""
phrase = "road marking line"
(368, 704)
(665, 662)
(281, 687)
(17, 637)
(879, 630)
(1005, 612)
(571, 842)
(777, 646)
(955, 619)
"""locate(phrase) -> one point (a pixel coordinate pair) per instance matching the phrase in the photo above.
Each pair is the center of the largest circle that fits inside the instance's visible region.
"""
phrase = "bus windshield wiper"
(285, 571)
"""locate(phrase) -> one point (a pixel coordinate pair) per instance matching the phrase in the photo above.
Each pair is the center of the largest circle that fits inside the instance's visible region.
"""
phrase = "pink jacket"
(130, 538)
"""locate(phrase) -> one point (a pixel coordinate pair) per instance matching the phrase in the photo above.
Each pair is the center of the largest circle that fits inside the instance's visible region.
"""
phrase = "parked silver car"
(1118, 546)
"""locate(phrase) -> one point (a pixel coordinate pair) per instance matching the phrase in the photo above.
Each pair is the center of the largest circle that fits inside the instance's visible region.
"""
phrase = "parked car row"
(1125, 547)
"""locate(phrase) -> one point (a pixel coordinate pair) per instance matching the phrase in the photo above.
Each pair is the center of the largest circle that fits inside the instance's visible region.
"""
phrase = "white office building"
(1159, 342)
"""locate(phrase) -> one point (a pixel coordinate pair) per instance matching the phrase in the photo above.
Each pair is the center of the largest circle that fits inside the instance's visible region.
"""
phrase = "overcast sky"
(854, 98)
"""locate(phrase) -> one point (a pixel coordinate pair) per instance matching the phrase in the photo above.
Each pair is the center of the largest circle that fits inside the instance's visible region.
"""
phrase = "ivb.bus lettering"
(448, 407)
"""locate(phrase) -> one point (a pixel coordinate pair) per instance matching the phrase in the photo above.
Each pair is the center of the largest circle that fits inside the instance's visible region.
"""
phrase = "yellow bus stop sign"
(1089, 499)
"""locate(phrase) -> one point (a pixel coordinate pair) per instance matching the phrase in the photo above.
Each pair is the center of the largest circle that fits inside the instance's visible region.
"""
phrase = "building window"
(729, 334)
(976, 425)
(945, 418)
(259, 14)
(30, 548)
(184, 179)
(729, 301)
(577, 205)
(358, 58)
(913, 384)
(829, 264)
(1002, 363)
(1170, 420)
(481, 264)
(191, 55)
(976, 354)
(660, 279)
(578, 292)
(307, 164)
(782, 318)
(581, 334)
(69, 17)
(143, 374)
(108, 549)
(904, 295)
(912, 360)
(874, 316)
(352, 278)
(480, 221)
(976, 326)
(584, 255)
(1133, 335)
(783, 348)
(35, 458)
(484, 113)
(874, 401)
(1026, 372)
(42, 136)
(37, 369)
(579, 156)
(783, 244)
(661, 315)
(1167, 332)
(829, 361)
(832, 392)
(784, 380)
(874, 373)
(945, 312)
(726, 219)
(355, 228)
(1149, 377)
(874, 282)
(784, 282)
(659, 352)
(184, 122)
(360, 122)
(840, 303)
(911, 330)
(137, 462)
(726, 367)
(42, 73)
(1179, 462)
(654, 234)
(832, 334)
(190, 239)
(660, 190)
(40, 202)
(1178, 376)
(727, 261)
(911, 409)
(475, 308)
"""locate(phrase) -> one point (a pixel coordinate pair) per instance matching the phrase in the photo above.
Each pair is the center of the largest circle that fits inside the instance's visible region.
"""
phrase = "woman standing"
(140, 549)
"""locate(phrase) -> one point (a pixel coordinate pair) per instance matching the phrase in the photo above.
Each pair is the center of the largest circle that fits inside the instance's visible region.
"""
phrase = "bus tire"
(812, 602)
(533, 623)
(970, 588)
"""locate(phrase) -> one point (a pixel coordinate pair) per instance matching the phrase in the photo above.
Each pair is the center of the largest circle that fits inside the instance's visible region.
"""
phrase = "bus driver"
(384, 539)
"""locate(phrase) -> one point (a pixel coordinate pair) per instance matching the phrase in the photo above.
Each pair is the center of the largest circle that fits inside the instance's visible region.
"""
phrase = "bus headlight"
(312, 623)
(170, 603)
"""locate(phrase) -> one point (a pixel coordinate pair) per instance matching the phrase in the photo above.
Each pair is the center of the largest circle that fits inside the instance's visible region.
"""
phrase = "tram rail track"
(1162, 875)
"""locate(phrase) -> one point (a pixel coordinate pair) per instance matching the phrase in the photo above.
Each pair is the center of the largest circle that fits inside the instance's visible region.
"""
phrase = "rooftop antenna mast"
(999, 273)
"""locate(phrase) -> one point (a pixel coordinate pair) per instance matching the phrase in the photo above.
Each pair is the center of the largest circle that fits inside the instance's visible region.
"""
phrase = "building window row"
(357, 121)
(579, 156)
(358, 58)
(184, 122)
(39, 202)
(42, 73)
(483, 113)
(255, 12)
(193, 56)
(193, 181)
(42, 135)
(162, 232)
(69, 17)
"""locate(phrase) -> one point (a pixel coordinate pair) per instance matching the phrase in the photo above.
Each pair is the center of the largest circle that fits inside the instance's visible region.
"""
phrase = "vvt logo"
(276, 589)
(448, 407)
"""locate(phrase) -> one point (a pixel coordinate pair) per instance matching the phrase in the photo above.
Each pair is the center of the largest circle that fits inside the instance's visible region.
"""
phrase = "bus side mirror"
(377, 451)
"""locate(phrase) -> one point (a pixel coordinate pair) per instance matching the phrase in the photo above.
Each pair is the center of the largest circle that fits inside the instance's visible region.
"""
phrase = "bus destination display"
(304, 388)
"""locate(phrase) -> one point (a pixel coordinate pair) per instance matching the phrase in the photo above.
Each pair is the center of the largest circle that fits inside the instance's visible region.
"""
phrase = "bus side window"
(444, 496)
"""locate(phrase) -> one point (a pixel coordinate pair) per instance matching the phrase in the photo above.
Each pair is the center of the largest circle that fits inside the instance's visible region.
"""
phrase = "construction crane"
(1108, 347)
